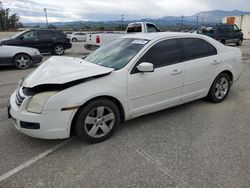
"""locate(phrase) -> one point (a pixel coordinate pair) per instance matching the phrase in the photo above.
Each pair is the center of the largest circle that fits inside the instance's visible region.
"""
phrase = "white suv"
(132, 76)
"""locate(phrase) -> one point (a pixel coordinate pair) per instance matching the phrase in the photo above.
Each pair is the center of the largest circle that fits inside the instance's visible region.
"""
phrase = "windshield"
(18, 34)
(118, 53)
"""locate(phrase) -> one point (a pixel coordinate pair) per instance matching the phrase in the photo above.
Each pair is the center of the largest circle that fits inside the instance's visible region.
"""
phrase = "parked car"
(225, 33)
(68, 33)
(20, 57)
(46, 41)
(95, 40)
(132, 76)
(78, 36)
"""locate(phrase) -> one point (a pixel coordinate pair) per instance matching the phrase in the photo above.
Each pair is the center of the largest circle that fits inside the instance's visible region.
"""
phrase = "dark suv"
(225, 33)
(52, 41)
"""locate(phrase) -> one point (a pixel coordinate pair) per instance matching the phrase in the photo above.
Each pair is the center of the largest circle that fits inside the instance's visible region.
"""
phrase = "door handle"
(215, 62)
(174, 72)
(36, 40)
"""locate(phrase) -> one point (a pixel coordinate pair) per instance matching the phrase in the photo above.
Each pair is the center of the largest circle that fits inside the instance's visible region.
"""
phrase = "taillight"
(97, 39)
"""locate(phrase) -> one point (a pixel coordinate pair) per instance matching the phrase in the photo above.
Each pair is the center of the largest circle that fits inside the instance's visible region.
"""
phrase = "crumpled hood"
(60, 70)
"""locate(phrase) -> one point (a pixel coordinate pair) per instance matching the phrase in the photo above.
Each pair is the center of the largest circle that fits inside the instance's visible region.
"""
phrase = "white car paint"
(138, 94)
(79, 36)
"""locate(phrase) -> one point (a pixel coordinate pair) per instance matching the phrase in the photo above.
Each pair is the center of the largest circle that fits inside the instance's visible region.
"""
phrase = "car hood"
(61, 70)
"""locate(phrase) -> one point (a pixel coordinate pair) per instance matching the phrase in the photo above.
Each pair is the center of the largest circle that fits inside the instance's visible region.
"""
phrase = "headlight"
(38, 101)
(37, 52)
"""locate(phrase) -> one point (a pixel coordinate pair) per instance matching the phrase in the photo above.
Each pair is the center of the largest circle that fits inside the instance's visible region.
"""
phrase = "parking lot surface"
(198, 144)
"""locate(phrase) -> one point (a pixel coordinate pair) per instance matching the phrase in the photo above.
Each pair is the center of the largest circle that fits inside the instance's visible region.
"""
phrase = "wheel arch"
(19, 53)
(107, 97)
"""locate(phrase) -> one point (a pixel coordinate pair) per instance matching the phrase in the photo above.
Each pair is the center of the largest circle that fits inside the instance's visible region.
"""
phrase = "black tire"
(59, 49)
(90, 126)
(74, 40)
(214, 91)
(22, 61)
(239, 43)
(223, 41)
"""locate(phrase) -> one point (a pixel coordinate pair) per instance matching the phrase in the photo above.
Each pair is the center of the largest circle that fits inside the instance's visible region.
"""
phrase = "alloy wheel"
(221, 88)
(23, 61)
(99, 122)
(59, 50)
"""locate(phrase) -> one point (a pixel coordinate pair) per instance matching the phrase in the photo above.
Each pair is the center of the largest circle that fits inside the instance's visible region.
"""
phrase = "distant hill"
(206, 17)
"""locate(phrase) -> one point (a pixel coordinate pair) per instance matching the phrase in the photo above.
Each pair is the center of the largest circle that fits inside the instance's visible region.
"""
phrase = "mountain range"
(205, 17)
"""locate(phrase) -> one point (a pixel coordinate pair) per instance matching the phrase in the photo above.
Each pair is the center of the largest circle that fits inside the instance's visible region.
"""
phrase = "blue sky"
(99, 10)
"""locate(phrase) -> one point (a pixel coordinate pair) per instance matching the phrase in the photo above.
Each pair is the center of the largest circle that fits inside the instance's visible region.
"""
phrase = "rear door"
(46, 39)
(201, 62)
(160, 89)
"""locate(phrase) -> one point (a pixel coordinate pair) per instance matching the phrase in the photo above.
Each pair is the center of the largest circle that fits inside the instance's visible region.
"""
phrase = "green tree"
(8, 21)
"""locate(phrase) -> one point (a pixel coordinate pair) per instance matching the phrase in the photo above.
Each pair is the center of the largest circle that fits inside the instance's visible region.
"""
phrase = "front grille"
(19, 96)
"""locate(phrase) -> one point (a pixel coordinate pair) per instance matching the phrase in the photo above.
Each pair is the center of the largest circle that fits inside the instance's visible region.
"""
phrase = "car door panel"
(199, 74)
(202, 61)
(161, 88)
(152, 91)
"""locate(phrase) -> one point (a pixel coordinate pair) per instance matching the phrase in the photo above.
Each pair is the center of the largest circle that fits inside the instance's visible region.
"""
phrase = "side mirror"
(145, 67)
(240, 30)
(21, 38)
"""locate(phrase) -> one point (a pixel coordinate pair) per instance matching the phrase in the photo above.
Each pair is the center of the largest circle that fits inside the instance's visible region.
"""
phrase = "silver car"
(20, 57)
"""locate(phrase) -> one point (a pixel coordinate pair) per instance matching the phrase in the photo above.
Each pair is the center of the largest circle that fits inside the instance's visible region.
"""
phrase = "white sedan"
(78, 37)
(132, 76)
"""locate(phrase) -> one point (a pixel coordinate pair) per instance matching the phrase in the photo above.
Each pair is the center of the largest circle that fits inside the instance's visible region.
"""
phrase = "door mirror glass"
(145, 67)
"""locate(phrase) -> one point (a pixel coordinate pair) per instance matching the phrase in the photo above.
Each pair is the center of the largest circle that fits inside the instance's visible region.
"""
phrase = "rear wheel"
(59, 49)
(97, 120)
(22, 61)
(220, 88)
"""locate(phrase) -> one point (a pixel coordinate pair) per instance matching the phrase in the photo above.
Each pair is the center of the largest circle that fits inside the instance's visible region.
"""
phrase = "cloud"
(72, 10)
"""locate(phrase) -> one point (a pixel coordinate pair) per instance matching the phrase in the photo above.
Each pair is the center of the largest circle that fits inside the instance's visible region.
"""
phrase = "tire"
(223, 41)
(59, 49)
(239, 43)
(22, 61)
(219, 89)
(74, 40)
(93, 127)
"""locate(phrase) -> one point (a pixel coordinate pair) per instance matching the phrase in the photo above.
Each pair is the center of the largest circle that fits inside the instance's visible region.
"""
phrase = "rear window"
(197, 48)
(134, 28)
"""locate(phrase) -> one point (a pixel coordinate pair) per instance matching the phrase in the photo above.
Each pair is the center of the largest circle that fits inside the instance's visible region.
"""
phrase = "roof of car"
(159, 35)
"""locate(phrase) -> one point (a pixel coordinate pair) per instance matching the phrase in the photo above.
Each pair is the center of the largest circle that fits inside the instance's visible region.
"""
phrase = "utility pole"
(197, 24)
(1, 16)
(202, 21)
(122, 21)
(182, 20)
(45, 12)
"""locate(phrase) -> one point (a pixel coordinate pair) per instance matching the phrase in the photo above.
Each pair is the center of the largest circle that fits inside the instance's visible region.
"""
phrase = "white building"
(243, 22)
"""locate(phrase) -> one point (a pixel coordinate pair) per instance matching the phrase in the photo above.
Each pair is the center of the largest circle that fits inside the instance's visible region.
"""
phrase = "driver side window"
(31, 35)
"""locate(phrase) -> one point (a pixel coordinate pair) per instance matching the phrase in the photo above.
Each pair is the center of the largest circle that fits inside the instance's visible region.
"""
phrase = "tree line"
(8, 21)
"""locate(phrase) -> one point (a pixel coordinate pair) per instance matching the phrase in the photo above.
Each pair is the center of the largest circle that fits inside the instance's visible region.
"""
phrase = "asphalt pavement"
(198, 144)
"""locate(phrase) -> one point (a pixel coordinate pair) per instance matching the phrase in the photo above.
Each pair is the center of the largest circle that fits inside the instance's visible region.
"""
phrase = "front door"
(29, 39)
(152, 91)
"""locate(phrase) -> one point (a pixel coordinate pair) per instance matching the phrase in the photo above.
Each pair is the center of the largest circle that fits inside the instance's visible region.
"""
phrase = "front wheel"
(239, 43)
(74, 40)
(97, 120)
(220, 88)
(59, 49)
(22, 61)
